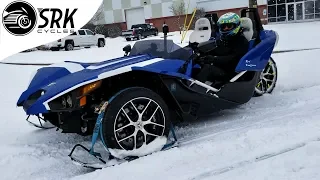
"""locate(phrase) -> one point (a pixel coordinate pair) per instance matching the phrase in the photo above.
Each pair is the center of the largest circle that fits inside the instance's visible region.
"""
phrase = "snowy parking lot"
(272, 137)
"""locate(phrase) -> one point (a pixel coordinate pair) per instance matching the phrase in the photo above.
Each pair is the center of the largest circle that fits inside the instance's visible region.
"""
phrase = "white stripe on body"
(105, 75)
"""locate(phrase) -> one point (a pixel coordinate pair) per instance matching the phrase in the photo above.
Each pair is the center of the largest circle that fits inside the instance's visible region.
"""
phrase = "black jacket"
(229, 52)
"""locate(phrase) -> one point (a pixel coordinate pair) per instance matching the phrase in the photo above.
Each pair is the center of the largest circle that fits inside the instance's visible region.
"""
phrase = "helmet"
(229, 24)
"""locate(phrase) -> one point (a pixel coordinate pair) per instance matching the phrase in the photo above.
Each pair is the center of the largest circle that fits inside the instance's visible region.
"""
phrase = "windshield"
(156, 48)
(138, 26)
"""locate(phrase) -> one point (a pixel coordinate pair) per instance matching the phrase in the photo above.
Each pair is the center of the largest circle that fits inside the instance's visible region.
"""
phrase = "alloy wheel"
(139, 122)
(70, 47)
(268, 79)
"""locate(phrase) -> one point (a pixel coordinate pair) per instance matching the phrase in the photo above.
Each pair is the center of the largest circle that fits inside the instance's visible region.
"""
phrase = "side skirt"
(196, 100)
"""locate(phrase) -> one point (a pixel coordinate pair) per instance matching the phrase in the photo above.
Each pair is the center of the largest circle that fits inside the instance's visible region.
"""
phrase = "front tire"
(135, 118)
(268, 79)
(69, 46)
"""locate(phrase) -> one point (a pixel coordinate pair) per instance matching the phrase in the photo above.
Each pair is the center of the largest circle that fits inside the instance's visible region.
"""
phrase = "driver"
(231, 47)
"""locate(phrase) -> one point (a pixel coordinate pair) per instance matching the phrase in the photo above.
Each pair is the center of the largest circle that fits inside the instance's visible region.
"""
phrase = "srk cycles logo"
(20, 18)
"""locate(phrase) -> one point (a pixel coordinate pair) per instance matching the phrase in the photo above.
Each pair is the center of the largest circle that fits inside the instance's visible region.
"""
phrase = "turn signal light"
(90, 87)
(83, 101)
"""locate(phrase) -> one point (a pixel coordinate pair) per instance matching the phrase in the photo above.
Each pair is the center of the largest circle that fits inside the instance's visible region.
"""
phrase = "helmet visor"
(227, 27)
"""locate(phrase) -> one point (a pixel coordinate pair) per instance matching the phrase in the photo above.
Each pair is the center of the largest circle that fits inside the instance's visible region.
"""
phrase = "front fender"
(48, 75)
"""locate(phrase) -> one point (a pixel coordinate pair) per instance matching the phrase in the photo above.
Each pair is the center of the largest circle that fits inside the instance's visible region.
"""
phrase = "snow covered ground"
(272, 137)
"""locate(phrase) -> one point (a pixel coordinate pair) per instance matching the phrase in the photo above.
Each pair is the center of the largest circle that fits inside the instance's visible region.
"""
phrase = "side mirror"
(193, 45)
(165, 29)
(127, 49)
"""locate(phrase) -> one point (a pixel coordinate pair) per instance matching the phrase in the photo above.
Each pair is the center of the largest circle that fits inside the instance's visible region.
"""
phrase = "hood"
(61, 80)
(46, 75)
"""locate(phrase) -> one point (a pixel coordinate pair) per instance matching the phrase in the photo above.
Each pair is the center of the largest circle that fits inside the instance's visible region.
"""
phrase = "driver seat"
(202, 31)
(247, 26)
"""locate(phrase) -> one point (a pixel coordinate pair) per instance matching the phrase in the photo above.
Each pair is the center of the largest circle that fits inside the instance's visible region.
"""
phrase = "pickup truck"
(80, 38)
(138, 31)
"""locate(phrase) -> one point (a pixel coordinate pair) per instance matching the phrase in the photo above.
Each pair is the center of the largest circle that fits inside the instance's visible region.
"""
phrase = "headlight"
(74, 99)
(69, 101)
(64, 102)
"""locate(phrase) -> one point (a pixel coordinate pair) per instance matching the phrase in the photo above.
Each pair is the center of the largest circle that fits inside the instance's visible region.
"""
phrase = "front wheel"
(136, 123)
(268, 79)
(69, 46)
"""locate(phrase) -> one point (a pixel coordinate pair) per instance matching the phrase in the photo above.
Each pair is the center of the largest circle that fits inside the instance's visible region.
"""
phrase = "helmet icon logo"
(19, 18)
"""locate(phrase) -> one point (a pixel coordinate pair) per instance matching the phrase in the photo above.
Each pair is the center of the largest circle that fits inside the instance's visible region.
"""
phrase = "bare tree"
(98, 16)
(98, 25)
(178, 8)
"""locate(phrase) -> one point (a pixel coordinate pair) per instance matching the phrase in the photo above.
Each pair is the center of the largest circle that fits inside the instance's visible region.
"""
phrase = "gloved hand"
(208, 59)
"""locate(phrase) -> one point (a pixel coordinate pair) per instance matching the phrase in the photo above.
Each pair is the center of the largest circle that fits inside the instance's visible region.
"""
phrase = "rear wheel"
(101, 43)
(136, 119)
(268, 79)
(139, 37)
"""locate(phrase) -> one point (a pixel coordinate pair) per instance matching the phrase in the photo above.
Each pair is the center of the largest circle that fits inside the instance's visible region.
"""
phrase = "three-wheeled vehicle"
(131, 102)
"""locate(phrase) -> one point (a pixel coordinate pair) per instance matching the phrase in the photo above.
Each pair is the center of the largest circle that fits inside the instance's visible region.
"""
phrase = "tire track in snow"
(286, 116)
(254, 160)
(293, 50)
(248, 121)
(286, 111)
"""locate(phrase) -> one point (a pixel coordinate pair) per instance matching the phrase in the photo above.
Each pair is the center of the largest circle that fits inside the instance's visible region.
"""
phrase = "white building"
(293, 10)
(129, 12)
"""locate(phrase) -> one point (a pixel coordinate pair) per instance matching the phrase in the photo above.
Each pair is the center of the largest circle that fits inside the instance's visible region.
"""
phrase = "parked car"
(80, 38)
(139, 31)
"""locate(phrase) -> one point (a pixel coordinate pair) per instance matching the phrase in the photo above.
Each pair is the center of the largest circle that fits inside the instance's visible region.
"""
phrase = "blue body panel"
(56, 81)
(167, 67)
(61, 85)
(63, 80)
(257, 58)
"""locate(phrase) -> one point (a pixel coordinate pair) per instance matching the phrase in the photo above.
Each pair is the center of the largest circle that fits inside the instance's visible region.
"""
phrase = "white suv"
(80, 38)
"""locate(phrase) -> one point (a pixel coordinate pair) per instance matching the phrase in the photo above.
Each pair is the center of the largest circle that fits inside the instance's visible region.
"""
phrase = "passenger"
(231, 47)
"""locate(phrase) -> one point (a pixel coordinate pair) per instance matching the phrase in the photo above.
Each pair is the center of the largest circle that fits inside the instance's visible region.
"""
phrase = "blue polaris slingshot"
(131, 101)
